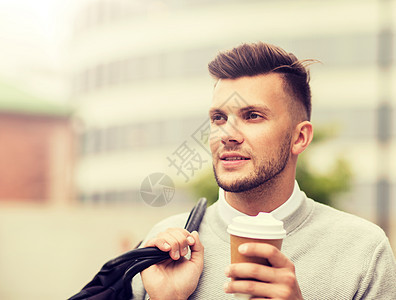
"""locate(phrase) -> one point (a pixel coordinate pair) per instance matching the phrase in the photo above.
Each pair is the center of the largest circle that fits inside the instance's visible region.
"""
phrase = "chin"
(236, 187)
(234, 184)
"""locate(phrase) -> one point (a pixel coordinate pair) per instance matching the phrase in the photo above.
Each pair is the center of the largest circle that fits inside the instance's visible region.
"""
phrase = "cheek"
(212, 146)
(263, 145)
(214, 139)
(258, 140)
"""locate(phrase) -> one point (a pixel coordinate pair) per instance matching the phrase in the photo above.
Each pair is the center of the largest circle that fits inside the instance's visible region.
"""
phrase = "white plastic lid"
(262, 226)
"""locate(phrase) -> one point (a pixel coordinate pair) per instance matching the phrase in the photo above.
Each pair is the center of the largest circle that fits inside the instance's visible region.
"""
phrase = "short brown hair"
(261, 58)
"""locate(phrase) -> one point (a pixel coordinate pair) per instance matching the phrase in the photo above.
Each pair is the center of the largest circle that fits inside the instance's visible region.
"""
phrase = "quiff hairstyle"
(261, 58)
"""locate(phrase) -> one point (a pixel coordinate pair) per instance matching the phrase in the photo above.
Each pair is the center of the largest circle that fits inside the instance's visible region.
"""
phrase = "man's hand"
(178, 277)
(277, 281)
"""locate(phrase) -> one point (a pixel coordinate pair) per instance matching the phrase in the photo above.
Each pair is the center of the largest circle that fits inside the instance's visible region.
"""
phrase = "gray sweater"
(336, 255)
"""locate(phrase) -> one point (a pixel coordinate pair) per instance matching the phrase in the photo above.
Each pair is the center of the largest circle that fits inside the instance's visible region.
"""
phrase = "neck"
(264, 198)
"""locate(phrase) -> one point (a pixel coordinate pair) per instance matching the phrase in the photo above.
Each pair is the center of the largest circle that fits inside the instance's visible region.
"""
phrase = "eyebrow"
(213, 111)
(259, 107)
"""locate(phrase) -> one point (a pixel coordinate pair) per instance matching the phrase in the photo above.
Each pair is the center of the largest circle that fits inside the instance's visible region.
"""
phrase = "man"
(255, 142)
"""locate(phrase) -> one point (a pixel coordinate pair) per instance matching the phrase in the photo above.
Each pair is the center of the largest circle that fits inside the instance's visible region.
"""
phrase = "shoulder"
(178, 220)
(345, 238)
(341, 223)
(339, 218)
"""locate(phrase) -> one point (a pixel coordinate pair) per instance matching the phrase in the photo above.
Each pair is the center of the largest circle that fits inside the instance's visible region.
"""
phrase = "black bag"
(113, 282)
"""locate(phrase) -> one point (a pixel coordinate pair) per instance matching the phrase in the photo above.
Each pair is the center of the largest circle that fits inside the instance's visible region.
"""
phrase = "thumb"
(197, 250)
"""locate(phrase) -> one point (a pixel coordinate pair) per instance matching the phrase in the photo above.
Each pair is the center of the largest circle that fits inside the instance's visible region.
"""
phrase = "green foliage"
(322, 187)
(205, 186)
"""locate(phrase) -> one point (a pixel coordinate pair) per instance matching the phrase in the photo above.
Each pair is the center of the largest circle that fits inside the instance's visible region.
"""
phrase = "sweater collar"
(292, 216)
(227, 212)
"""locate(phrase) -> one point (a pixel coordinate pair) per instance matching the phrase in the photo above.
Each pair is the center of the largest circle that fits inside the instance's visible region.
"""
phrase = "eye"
(218, 118)
(253, 116)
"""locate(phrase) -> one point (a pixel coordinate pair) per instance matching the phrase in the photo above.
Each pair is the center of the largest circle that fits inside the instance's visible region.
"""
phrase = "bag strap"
(155, 255)
(196, 216)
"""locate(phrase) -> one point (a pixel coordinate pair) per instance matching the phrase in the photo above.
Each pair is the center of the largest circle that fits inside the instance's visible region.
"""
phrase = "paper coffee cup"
(263, 228)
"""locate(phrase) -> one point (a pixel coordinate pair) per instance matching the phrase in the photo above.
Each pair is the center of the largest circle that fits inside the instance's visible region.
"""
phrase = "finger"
(164, 239)
(149, 243)
(251, 271)
(197, 250)
(159, 243)
(187, 235)
(180, 235)
(190, 240)
(174, 240)
(275, 257)
(250, 287)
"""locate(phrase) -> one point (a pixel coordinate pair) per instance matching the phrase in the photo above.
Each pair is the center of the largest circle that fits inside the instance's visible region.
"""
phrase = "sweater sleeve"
(379, 281)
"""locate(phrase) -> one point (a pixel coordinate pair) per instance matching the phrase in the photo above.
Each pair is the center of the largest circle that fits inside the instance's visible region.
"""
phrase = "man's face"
(251, 131)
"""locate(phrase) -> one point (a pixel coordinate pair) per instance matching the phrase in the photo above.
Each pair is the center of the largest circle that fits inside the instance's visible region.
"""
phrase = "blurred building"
(37, 149)
(141, 93)
(142, 89)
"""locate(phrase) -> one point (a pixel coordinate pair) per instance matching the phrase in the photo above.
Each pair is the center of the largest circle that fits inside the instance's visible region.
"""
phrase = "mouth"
(233, 157)
(233, 161)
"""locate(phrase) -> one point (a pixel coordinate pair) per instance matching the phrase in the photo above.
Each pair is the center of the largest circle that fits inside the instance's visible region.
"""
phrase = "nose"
(230, 135)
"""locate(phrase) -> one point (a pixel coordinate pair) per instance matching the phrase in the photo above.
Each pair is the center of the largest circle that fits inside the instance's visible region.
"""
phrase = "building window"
(137, 136)
(120, 196)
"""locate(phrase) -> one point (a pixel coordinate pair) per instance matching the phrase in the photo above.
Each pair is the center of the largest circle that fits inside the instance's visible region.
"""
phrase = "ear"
(302, 137)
